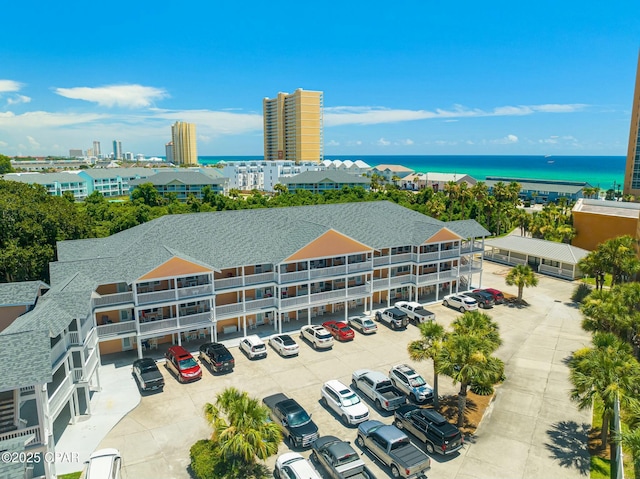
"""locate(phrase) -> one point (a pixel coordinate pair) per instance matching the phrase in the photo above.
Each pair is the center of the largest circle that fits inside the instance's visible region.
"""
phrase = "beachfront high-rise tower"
(632, 170)
(293, 126)
(117, 150)
(183, 137)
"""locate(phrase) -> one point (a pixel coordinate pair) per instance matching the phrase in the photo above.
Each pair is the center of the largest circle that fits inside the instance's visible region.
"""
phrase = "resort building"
(542, 191)
(56, 184)
(184, 184)
(388, 172)
(597, 221)
(262, 175)
(183, 137)
(18, 298)
(113, 181)
(213, 276)
(293, 127)
(357, 167)
(545, 257)
(435, 181)
(329, 180)
(632, 169)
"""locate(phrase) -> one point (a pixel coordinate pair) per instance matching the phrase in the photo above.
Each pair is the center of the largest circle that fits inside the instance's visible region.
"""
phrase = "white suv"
(460, 302)
(253, 347)
(292, 465)
(103, 464)
(317, 335)
(344, 402)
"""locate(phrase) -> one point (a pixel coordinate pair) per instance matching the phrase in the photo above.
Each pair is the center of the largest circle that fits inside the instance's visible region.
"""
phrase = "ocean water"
(602, 171)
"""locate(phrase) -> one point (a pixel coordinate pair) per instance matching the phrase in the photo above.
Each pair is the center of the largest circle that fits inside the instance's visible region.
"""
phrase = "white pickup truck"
(415, 311)
(377, 387)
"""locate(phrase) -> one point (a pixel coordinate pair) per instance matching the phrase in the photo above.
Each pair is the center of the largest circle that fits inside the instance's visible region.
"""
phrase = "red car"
(498, 297)
(339, 330)
(182, 364)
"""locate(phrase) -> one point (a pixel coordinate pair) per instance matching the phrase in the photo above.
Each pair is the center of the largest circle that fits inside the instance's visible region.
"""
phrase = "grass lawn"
(592, 281)
(72, 475)
(600, 459)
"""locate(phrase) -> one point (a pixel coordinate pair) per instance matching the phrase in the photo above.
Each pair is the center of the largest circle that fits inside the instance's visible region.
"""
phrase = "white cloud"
(354, 143)
(32, 142)
(3, 144)
(332, 143)
(9, 86)
(507, 140)
(383, 142)
(369, 115)
(17, 99)
(128, 96)
(405, 142)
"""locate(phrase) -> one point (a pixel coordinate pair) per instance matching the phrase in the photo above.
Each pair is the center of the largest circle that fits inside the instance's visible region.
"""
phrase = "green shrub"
(581, 292)
(482, 389)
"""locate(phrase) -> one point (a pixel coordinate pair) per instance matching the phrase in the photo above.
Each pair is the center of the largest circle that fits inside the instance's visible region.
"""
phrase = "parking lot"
(530, 430)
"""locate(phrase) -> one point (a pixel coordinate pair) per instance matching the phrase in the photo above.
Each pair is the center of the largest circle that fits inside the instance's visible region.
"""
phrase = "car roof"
(144, 362)
(101, 464)
(254, 339)
(374, 375)
(336, 385)
(179, 351)
(406, 369)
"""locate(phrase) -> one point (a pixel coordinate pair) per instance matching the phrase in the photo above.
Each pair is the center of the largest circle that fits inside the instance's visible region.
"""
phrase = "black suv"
(430, 427)
(485, 300)
(217, 356)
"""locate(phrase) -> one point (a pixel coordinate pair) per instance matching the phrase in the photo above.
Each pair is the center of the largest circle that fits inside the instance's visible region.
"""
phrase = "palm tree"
(631, 438)
(466, 358)
(279, 188)
(241, 428)
(429, 346)
(594, 265)
(475, 322)
(620, 255)
(521, 276)
(603, 372)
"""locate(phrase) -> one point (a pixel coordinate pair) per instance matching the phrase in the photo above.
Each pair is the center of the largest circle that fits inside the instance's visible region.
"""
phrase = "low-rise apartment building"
(262, 175)
(183, 184)
(329, 180)
(56, 184)
(113, 181)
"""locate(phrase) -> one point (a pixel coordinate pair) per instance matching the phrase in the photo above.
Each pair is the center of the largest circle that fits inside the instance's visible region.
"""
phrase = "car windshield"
(287, 341)
(368, 322)
(324, 336)
(298, 419)
(148, 367)
(417, 381)
(188, 363)
(350, 400)
(345, 329)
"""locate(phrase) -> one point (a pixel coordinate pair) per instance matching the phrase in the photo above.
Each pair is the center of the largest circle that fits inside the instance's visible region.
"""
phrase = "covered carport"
(545, 257)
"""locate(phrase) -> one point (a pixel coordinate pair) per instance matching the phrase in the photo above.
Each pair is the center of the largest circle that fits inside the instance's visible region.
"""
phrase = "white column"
(87, 399)
(139, 342)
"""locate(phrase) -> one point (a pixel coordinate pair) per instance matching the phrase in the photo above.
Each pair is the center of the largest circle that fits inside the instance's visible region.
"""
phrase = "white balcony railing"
(228, 309)
(115, 329)
(379, 284)
(113, 299)
(298, 300)
(85, 328)
(475, 246)
(157, 296)
(450, 253)
(404, 279)
(77, 375)
(260, 304)
(431, 256)
(29, 431)
(357, 290)
(429, 278)
(449, 274)
(91, 364)
(200, 318)
(328, 295)
(201, 290)
(60, 396)
(293, 277)
(226, 283)
(260, 278)
(73, 337)
(163, 324)
(355, 267)
(331, 271)
(401, 258)
(380, 260)
(58, 350)
(555, 271)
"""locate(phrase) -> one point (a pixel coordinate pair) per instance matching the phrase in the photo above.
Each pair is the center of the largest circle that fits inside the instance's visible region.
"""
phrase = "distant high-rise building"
(96, 149)
(75, 153)
(117, 149)
(632, 170)
(293, 126)
(183, 137)
(168, 148)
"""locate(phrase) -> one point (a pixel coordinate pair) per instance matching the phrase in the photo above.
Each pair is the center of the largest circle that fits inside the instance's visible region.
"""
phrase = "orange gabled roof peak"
(175, 267)
(331, 243)
(445, 234)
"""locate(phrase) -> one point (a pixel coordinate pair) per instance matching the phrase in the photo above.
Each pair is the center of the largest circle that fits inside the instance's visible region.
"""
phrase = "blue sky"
(410, 77)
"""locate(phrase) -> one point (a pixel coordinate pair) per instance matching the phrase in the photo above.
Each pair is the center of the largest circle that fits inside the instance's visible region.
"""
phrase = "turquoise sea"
(602, 171)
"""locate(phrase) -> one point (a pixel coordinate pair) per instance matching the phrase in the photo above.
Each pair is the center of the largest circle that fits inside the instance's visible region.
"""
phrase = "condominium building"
(262, 175)
(168, 152)
(97, 152)
(214, 276)
(183, 137)
(632, 170)
(56, 184)
(117, 150)
(293, 126)
(328, 180)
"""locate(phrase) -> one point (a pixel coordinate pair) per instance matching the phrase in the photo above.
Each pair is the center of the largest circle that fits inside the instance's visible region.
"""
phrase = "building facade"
(56, 184)
(168, 152)
(542, 191)
(183, 184)
(113, 181)
(262, 175)
(117, 150)
(97, 152)
(632, 169)
(183, 137)
(597, 221)
(293, 127)
(328, 180)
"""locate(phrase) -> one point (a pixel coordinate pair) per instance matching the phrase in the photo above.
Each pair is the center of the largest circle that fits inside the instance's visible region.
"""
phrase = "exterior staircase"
(7, 412)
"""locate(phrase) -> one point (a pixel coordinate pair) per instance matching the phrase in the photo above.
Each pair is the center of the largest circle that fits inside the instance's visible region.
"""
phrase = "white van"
(103, 464)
